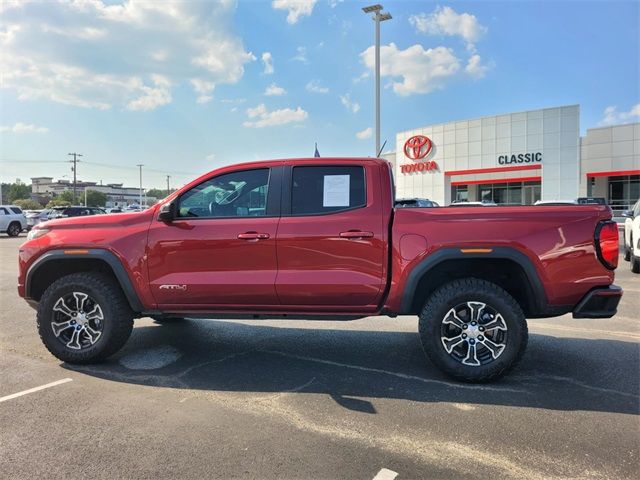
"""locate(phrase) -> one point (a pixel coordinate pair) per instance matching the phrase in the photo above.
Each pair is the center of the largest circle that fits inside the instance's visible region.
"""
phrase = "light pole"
(377, 17)
(168, 190)
(75, 168)
(140, 165)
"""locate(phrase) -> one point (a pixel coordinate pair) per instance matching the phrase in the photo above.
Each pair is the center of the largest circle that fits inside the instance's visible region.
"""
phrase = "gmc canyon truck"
(320, 238)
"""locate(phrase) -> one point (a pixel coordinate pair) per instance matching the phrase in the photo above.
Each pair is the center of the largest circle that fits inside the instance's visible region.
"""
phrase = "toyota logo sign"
(417, 147)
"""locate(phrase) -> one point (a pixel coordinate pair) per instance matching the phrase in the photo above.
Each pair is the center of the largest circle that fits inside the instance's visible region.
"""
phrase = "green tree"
(66, 196)
(18, 190)
(27, 204)
(58, 203)
(157, 193)
(96, 199)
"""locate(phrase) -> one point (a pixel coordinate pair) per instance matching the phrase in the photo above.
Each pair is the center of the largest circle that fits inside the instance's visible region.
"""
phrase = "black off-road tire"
(14, 229)
(117, 324)
(634, 263)
(474, 290)
(627, 254)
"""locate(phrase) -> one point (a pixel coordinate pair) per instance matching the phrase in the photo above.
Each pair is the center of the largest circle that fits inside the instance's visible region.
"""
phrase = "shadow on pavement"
(355, 367)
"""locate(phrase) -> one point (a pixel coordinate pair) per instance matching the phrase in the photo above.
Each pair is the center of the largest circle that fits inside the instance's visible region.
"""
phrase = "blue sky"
(187, 87)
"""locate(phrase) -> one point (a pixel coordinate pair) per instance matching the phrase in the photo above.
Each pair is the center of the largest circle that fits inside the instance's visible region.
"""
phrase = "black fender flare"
(95, 254)
(456, 253)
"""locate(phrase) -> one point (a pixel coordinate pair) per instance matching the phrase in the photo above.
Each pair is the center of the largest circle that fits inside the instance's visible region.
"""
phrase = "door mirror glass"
(167, 212)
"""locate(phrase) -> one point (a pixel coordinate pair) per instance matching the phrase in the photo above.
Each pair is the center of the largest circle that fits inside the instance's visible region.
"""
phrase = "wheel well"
(505, 273)
(52, 270)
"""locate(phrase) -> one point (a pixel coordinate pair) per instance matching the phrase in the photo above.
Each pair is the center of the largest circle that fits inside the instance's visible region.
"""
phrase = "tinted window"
(237, 194)
(16, 210)
(4, 211)
(327, 189)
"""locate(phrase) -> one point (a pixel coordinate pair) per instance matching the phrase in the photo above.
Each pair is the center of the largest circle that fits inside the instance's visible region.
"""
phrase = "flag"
(317, 153)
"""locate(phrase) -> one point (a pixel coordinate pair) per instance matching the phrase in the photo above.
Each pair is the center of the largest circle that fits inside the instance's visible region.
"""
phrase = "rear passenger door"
(4, 219)
(330, 244)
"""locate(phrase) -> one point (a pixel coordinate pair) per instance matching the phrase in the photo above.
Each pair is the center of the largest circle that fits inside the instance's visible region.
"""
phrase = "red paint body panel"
(305, 266)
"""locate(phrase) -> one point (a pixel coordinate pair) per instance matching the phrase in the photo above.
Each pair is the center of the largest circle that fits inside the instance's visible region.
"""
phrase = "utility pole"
(168, 189)
(140, 165)
(75, 162)
(378, 17)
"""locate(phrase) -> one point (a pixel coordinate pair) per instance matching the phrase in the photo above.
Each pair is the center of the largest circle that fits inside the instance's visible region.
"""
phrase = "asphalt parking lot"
(296, 399)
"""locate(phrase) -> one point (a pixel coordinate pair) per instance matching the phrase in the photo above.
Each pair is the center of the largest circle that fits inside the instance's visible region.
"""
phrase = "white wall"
(474, 144)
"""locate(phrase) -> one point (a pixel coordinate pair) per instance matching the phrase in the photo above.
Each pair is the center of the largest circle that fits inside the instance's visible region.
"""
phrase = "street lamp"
(377, 17)
(140, 165)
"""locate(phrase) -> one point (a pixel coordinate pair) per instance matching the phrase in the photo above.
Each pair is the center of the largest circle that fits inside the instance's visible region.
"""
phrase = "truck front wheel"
(84, 318)
(473, 330)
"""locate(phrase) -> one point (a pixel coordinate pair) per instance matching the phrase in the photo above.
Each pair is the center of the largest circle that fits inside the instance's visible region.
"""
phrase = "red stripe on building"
(493, 170)
(612, 174)
(498, 180)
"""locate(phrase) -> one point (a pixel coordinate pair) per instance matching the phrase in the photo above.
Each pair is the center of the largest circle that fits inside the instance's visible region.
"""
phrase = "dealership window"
(326, 189)
(512, 193)
(461, 193)
(624, 191)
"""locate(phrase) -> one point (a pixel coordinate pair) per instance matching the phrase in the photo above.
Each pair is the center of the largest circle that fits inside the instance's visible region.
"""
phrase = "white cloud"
(274, 90)
(334, 3)
(364, 134)
(24, 128)
(301, 55)
(314, 86)
(152, 97)
(475, 67)
(264, 118)
(296, 8)
(267, 60)
(211, 157)
(204, 88)
(96, 54)
(350, 105)
(446, 21)
(612, 116)
(420, 70)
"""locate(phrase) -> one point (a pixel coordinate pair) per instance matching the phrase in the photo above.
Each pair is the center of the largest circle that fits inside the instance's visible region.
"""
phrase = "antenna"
(381, 148)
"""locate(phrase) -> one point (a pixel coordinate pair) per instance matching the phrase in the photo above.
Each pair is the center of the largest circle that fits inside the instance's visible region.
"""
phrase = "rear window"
(327, 189)
(16, 210)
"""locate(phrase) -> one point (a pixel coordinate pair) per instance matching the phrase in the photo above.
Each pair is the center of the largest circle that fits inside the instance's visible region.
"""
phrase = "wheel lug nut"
(465, 326)
(480, 337)
(473, 323)
(464, 335)
(481, 329)
(472, 341)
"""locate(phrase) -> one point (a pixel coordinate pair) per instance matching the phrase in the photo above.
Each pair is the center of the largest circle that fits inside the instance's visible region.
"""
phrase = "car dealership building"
(519, 158)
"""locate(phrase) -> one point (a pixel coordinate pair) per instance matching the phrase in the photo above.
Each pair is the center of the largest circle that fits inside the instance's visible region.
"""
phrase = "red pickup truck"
(320, 238)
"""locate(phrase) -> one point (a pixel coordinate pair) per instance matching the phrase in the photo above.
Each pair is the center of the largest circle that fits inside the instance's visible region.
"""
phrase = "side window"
(236, 194)
(3, 211)
(327, 189)
(16, 210)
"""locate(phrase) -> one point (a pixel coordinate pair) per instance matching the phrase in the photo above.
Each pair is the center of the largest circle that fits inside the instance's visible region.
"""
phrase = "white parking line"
(385, 474)
(35, 389)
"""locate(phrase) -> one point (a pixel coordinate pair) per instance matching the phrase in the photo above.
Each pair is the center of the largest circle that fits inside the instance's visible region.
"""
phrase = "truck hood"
(108, 220)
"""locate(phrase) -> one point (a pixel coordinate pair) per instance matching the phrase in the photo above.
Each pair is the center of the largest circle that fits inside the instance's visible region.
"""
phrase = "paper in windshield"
(336, 191)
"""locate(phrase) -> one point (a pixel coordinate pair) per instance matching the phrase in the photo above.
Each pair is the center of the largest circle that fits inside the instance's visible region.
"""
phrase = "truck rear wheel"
(84, 318)
(14, 229)
(473, 330)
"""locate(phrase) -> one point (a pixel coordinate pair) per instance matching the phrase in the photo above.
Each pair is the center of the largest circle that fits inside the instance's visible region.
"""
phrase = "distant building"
(117, 195)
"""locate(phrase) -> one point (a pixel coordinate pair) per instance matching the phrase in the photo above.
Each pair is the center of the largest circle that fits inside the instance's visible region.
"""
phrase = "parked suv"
(632, 237)
(12, 220)
(58, 212)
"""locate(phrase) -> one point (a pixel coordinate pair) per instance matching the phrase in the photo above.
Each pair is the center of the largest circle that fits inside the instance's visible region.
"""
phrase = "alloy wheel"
(78, 320)
(473, 333)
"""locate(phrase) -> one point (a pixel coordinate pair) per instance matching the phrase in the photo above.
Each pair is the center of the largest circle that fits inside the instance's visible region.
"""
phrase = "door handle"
(356, 234)
(253, 236)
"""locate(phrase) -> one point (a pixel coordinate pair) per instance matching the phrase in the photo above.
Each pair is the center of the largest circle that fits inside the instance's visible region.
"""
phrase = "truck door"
(220, 247)
(331, 239)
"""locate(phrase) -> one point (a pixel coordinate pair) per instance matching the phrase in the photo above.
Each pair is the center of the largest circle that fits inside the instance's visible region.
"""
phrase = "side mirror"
(627, 214)
(167, 212)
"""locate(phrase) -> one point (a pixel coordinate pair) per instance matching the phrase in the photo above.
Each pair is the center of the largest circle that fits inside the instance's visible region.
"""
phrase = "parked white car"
(632, 237)
(12, 220)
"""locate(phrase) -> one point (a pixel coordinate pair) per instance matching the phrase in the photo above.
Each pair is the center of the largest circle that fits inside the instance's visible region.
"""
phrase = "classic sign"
(520, 158)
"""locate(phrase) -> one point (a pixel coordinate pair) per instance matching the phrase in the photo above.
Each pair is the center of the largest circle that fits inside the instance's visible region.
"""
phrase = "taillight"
(606, 239)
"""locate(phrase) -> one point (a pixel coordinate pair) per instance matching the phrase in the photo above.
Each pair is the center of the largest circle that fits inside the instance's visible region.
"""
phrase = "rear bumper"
(599, 303)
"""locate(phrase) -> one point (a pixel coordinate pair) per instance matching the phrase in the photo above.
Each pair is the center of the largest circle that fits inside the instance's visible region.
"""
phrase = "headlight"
(37, 233)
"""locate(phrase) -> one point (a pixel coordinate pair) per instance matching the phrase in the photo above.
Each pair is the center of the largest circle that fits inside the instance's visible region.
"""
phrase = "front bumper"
(599, 303)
